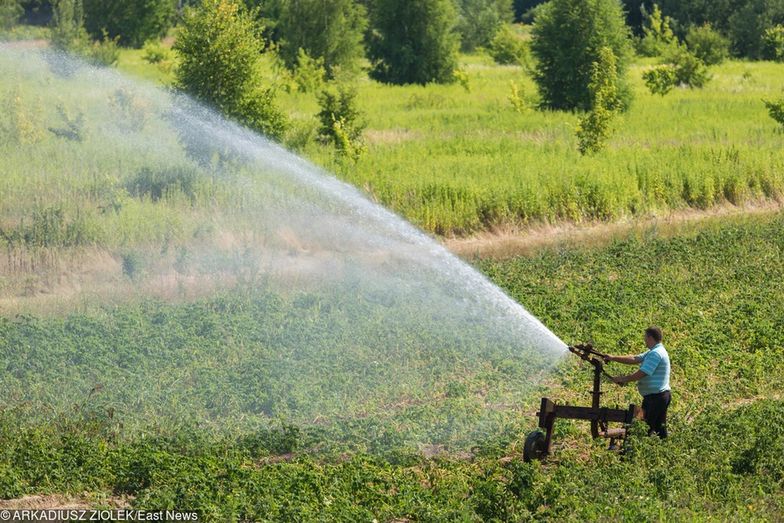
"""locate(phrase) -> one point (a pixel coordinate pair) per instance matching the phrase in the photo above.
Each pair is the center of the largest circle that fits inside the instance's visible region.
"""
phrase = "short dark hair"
(654, 332)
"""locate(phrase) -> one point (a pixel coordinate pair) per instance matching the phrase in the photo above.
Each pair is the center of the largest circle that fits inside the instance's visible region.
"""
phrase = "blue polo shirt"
(655, 363)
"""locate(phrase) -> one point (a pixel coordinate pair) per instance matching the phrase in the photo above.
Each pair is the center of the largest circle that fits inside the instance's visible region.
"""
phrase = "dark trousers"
(655, 408)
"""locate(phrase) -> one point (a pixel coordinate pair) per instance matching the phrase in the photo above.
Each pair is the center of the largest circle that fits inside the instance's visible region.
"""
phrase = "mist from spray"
(224, 281)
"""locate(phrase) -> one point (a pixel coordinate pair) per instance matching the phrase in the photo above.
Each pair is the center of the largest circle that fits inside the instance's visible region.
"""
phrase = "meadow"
(723, 327)
(457, 159)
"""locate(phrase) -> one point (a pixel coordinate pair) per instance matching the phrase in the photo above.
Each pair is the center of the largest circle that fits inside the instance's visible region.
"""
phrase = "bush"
(776, 110)
(748, 25)
(310, 73)
(773, 44)
(507, 48)
(328, 30)
(480, 21)
(10, 11)
(219, 65)
(657, 34)
(341, 121)
(593, 130)
(707, 44)
(689, 70)
(567, 38)
(68, 33)
(413, 41)
(155, 52)
(133, 22)
(660, 79)
(22, 123)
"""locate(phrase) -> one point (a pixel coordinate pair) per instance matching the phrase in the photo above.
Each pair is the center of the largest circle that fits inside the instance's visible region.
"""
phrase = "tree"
(749, 24)
(566, 39)
(657, 34)
(68, 33)
(594, 129)
(480, 20)
(10, 11)
(707, 44)
(219, 65)
(413, 41)
(332, 30)
(132, 21)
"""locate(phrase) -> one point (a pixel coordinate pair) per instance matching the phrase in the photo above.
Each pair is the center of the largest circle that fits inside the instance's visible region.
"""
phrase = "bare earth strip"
(509, 243)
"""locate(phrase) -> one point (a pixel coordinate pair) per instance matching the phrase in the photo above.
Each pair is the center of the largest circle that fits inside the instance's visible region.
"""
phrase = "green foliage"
(480, 21)
(50, 227)
(507, 48)
(722, 462)
(22, 121)
(341, 121)
(660, 79)
(689, 69)
(219, 65)
(155, 52)
(773, 43)
(776, 110)
(657, 34)
(309, 74)
(567, 38)
(132, 22)
(749, 23)
(327, 30)
(10, 11)
(413, 41)
(594, 129)
(158, 184)
(68, 33)
(516, 98)
(707, 44)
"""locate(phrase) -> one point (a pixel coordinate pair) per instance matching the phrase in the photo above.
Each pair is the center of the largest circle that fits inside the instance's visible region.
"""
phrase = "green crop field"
(723, 460)
(457, 160)
(191, 318)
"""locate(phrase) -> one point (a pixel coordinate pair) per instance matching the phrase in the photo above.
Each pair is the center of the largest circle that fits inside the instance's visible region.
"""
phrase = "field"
(458, 160)
(193, 318)
(723, 461)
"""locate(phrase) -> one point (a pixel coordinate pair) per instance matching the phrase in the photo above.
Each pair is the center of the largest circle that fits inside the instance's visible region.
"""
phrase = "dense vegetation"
(724, 329)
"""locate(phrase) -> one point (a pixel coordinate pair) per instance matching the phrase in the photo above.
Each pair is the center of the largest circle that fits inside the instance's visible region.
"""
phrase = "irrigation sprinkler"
(538, 444)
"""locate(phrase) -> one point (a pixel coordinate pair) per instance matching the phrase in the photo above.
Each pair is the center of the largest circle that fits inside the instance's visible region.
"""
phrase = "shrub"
(413, 41)
(341, 121)
(657, 34)
(103, 52)
(749, 23)
(133, 22)
(74, 125)
(23, 122)
(68, 33)
(660, 79)
(155, 52)
(10, 11)
(776, 110)
(480, 21)
(309, 74)
(773, 43)
(507, 48)
(327, 30)
(155, 184)
(689, 70)
(219, 65)
(567, 38)
(516, 98)
(707, 44)
(593, 130)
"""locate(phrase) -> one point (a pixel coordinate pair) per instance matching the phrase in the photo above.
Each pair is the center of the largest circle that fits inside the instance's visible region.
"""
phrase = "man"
(653, 380)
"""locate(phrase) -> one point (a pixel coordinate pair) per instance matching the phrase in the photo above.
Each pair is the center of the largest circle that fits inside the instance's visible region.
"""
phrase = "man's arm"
(627, 360)
(623, 380)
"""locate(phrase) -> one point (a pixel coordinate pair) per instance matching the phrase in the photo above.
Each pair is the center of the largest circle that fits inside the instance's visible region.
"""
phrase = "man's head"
(653, 335)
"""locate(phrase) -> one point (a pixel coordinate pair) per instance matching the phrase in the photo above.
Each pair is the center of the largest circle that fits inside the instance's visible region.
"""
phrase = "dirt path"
(504, 244)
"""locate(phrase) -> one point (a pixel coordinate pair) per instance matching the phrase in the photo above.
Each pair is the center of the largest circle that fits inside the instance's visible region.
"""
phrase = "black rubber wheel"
(534, 446)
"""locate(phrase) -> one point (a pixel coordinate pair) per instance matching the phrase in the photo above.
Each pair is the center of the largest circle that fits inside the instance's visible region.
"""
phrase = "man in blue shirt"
(653, 380)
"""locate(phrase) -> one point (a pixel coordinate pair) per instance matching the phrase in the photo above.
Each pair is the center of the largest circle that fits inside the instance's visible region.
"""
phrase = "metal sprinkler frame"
(538, 444)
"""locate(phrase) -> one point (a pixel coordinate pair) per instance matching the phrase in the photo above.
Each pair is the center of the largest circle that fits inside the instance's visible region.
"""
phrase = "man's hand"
(607, 358)
(619, 381)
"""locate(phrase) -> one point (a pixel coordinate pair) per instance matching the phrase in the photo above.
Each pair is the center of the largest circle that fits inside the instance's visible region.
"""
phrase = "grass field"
(723, 328)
